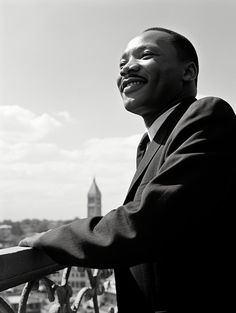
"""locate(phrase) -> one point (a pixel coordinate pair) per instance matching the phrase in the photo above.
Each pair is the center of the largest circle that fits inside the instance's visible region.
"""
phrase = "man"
(169, 243)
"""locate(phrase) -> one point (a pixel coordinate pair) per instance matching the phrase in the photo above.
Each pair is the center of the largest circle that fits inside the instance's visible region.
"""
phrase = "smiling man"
(171, 241)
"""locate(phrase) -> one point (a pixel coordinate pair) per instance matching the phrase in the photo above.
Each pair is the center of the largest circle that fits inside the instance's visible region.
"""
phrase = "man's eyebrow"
(123, 55)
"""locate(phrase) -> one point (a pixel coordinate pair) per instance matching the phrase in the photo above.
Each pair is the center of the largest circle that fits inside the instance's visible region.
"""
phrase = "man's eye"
(147, 54)
(122, 64)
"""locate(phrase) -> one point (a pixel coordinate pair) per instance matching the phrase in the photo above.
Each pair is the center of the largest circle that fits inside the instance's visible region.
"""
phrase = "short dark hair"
(185, 49)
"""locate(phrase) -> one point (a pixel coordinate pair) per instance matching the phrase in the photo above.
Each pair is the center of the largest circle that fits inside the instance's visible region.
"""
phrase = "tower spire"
(94, 200)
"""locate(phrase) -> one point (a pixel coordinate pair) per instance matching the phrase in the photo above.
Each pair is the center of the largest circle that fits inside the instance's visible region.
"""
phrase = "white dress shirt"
(152, 130)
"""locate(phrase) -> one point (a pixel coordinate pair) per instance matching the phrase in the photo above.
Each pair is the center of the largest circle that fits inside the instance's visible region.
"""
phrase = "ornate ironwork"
(64, 292)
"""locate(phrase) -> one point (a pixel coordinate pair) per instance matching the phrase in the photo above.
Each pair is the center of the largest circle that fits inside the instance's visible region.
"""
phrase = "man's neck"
(152, 130)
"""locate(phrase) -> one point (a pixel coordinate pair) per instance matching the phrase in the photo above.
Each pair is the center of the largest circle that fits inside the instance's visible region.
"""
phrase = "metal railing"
(28, 266)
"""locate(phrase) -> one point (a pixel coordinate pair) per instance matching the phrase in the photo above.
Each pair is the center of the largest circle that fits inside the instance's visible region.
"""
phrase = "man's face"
(150, 74)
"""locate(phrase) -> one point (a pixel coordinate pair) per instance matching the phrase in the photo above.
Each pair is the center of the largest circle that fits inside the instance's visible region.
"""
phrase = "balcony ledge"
(22, 264)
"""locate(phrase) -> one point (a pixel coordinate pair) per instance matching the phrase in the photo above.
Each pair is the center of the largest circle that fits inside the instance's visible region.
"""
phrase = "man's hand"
(32, 241)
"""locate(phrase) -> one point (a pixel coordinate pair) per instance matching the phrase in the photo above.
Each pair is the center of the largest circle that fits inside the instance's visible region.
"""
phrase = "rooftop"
(94, 190)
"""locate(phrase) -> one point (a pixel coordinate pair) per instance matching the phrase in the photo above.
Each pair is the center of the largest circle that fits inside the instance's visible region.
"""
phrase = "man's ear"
(190, 72)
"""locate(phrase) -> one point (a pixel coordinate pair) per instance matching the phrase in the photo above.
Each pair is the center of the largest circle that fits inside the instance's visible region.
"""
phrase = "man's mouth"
(132, 83)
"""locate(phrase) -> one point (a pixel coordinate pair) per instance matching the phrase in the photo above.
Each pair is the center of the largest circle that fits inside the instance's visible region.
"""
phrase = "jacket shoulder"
(212, 105)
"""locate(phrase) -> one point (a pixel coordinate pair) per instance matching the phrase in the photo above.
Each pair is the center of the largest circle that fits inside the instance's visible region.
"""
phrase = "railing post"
(25, 295)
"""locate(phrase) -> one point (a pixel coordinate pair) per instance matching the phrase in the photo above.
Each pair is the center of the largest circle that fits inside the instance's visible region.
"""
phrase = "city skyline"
(62, 121)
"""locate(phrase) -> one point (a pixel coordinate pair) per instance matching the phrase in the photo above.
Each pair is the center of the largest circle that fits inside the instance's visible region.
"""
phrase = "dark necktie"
(142, 147)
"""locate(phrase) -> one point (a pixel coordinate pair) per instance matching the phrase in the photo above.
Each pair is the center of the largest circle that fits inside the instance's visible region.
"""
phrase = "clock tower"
(94, 200)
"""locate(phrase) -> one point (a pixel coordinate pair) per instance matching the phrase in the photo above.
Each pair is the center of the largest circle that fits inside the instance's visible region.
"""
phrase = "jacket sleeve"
(179, 206)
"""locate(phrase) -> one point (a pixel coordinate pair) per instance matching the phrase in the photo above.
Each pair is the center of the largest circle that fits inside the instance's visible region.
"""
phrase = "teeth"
(134, 83)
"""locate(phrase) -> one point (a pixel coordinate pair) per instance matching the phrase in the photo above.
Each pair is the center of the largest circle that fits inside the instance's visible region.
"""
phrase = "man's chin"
(132, 106)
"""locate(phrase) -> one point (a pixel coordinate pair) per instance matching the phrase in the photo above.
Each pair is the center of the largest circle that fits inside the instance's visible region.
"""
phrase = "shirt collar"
(152, 130)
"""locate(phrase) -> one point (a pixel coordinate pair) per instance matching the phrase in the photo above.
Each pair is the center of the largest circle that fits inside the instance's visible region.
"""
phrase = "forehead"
(158, 40)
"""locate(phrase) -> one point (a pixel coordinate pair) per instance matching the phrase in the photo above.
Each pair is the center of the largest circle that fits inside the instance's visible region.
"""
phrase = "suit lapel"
(159, 140)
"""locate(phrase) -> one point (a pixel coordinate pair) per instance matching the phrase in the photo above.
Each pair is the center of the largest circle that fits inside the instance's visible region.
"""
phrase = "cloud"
(55, 185)
(44, 180)
(64, 115)
(18, 124)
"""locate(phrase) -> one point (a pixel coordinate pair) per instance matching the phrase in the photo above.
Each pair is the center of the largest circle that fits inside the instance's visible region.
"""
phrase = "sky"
(62, 121)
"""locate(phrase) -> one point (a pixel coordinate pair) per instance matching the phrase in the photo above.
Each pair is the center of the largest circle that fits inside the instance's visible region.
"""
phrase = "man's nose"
(129, 67)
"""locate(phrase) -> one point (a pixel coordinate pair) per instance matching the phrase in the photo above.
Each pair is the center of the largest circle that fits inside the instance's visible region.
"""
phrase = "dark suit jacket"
(170, 243)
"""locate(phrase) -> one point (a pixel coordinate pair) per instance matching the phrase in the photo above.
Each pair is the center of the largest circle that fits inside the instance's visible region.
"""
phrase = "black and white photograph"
(117, 156)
